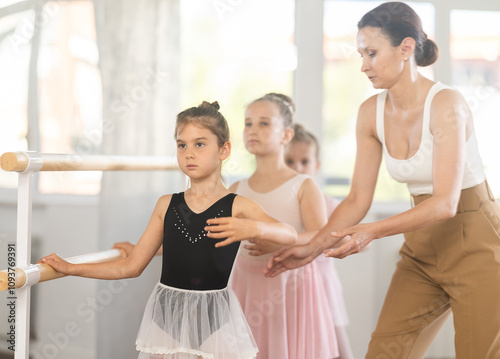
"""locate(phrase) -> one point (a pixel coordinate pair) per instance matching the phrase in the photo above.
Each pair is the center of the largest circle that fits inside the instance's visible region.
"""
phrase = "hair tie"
(275, 97)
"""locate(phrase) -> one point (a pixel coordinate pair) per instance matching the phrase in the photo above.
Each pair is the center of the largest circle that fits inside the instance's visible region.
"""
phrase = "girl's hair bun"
(214, 105)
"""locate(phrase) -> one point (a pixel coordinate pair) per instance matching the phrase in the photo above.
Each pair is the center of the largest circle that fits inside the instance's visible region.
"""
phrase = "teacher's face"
(382, 62)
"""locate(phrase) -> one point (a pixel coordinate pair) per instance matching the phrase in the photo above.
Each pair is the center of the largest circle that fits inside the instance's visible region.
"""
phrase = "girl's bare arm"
(131, 266)
(250, 221)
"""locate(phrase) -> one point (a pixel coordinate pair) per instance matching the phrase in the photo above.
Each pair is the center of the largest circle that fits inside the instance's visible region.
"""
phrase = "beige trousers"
(453, 265)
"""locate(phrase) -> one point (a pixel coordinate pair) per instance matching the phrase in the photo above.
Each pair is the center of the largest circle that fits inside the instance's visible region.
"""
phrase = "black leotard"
(190, 258)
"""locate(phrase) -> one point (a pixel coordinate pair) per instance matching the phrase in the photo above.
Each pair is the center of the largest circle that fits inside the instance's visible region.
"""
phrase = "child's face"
(264, 130)
(198, 152)
(301, 156)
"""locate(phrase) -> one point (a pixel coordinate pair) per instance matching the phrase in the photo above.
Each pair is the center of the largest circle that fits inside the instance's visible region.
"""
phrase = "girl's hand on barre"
(56, 262)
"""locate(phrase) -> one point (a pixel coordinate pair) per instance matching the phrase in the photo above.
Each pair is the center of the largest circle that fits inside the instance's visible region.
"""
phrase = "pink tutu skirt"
(333, 290)
(288, 314)
(188, 324)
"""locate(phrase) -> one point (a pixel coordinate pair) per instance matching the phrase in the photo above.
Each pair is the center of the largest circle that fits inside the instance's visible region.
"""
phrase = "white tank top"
(416, 171)
(281, 203)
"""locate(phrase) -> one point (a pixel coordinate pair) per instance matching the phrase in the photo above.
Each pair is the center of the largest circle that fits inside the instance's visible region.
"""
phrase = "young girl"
(289, 315)
(302, 155)
(192, 313)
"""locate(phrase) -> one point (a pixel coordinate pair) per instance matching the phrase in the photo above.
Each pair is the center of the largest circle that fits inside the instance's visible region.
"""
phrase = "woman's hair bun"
(214, 105)
(429, 54)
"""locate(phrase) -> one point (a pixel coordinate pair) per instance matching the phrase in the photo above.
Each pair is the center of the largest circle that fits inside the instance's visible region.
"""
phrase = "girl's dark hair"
(303, 135)
(206, 115)
(285, 105)
(399, 21)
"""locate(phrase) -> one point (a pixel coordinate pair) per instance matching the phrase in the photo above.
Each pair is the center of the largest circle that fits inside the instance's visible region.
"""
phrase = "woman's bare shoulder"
(369, 105)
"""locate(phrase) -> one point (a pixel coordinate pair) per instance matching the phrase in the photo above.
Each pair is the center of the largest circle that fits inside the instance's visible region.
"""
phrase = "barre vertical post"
(23, 255)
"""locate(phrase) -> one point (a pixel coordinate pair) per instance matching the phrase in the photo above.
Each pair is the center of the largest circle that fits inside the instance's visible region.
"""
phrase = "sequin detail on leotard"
(184, 231)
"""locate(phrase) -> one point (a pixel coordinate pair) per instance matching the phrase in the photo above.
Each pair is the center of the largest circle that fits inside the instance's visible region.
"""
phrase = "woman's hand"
(231, 228)
(289, 258)
(56, 262)
(259, 247)
(354, 239)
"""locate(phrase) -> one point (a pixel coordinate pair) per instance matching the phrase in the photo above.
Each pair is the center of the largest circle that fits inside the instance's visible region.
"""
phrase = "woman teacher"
(450, 259)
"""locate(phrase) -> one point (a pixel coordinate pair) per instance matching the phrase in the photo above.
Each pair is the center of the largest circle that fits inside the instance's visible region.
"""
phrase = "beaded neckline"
(181, 226)
(184, 231)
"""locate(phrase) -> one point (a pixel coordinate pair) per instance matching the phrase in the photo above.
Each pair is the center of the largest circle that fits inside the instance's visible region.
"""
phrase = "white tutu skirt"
(186, 324)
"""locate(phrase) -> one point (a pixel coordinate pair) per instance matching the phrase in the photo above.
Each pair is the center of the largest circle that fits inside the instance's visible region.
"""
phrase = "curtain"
(139, 61)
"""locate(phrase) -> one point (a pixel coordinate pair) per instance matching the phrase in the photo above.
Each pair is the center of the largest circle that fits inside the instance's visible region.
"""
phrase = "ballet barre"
(37, 273)
(26, 164)
(21, 161)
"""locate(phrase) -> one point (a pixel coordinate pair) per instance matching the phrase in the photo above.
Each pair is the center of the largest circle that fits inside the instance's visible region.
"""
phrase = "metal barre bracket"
(35, 161)
(32, 275)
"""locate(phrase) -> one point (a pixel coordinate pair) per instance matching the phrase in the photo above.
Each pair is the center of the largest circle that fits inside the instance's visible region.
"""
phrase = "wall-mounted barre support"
(37, 273)
(21, 161)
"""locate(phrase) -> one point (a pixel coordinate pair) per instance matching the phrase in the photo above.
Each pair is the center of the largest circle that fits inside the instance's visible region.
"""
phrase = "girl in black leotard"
(192, 313)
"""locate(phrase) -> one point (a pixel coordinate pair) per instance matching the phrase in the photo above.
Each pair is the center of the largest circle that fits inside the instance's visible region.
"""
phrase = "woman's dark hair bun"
(214, 105)
(429, 54)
